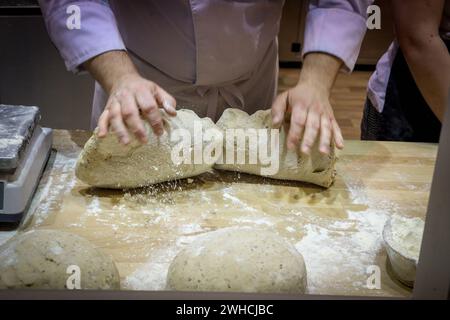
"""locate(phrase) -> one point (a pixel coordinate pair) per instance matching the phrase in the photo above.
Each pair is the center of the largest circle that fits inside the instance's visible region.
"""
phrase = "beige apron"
(210, 55)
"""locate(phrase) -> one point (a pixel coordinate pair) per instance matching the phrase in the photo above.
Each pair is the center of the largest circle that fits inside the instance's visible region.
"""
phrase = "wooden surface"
(337, 230)
(347, 98)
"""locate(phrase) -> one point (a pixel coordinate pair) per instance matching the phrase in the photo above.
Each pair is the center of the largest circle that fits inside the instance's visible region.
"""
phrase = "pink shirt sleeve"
(98, 30)
(336, 27)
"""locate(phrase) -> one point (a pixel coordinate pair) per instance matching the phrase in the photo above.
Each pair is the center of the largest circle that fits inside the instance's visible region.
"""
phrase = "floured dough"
(403, 237)
(238, 260)
(406, 235)
(40, 260)
(107, 163)
(316, 168)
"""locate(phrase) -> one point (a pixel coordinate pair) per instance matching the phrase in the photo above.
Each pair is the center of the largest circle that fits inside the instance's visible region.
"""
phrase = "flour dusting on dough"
(407, 235)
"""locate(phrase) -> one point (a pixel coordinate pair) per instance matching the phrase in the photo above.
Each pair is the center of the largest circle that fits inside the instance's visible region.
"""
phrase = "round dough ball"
(238, 260)
(39, 259)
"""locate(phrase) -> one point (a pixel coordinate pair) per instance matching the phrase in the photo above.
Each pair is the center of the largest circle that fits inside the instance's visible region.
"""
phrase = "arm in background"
(333, 36)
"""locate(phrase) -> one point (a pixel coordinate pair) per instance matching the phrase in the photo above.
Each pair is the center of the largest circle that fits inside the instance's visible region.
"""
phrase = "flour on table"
(52, 186)
(152, 274)
(6, 235)
(329, 253)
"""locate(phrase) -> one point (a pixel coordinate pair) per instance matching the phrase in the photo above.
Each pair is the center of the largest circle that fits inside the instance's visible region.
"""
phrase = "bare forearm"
(109, 67)
(429, 63)
(424, 50)
(320, 70)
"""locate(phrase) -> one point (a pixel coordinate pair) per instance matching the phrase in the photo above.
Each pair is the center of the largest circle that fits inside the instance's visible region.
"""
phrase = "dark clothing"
(405, 116)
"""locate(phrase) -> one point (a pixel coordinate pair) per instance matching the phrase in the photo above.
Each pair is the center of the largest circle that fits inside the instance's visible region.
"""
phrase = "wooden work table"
(338, 230)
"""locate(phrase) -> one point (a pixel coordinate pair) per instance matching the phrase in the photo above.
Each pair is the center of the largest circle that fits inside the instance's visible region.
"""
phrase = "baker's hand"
(131, 96)
(309, 111)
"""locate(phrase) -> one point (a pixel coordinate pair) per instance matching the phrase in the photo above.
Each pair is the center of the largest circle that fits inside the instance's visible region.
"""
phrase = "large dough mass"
(293, 165)
(107, 163)
(238, 260)
(39, 259)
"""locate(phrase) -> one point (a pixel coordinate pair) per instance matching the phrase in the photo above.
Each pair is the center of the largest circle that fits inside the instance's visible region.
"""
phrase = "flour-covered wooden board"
(338, 230)
(16, 127)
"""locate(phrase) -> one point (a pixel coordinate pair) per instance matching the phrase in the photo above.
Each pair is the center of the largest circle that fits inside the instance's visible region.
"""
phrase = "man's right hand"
(130, 97)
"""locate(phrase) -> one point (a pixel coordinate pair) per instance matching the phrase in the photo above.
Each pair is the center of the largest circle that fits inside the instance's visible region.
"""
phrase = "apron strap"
(230, 93)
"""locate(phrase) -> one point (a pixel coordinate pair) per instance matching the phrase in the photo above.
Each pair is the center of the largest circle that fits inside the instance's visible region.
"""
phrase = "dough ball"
(238, 260)
(39, 259)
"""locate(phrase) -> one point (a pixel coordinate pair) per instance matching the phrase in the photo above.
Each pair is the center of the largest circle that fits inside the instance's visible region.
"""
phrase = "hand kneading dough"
(316, 168)
(238, 260)
(107, 163)
(39, 259)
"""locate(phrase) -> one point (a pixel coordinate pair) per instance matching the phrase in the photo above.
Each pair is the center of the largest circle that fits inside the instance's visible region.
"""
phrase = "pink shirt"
(333, 26)
(209, 54)
(196, 41)
(336, 27)
(378, 81)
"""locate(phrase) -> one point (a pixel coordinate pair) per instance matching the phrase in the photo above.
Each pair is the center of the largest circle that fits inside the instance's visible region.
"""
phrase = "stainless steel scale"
(24, 150)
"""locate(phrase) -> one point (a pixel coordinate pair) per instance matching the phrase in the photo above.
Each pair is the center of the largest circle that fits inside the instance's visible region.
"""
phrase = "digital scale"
(24, 150)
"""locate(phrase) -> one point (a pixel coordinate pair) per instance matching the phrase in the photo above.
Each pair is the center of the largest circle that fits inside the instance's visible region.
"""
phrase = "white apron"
(210, 54)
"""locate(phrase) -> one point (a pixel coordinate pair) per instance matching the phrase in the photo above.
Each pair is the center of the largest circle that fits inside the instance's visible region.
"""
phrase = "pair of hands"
(305, 107)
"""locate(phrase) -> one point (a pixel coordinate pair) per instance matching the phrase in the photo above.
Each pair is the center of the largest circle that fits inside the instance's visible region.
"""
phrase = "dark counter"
(18, 3)
(19, 8)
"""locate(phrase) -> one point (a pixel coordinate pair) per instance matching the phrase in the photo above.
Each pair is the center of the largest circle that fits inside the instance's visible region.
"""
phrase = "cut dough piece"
(107, 163)
(40, 260)
(293, 165)
(238, 260)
